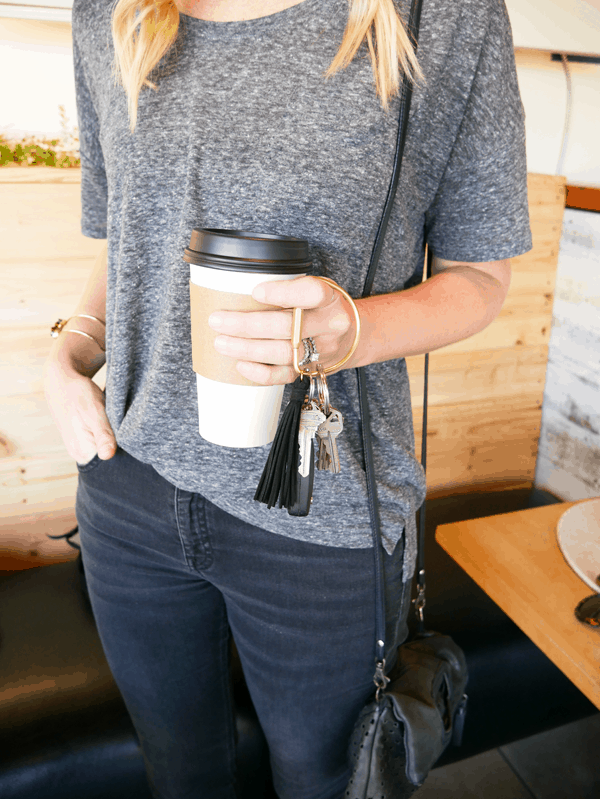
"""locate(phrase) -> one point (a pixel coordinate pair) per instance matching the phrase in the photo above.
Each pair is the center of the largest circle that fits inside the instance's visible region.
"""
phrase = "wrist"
(82, 324)
(75, 356)
(358, 357)
(377, 341)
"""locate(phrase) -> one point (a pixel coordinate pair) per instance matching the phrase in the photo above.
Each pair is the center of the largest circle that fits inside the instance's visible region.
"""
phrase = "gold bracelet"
(297, 327)
(60, 323)
(87, 335)
(58, 326)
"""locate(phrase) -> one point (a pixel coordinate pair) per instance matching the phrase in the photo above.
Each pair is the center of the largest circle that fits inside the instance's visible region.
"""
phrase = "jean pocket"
(86, 467)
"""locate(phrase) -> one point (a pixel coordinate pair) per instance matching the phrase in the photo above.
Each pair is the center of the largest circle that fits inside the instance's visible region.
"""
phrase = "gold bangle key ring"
(297, 331)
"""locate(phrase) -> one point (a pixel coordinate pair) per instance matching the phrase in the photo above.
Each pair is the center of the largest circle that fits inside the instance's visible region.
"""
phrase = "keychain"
(288, 476)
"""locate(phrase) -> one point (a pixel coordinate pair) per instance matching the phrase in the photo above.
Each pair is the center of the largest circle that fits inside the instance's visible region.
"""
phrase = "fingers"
(272, 351)
(77, 406)
(96, 420)
(317, 321)
(261, 340)
(303, 292)
(258, 324)
(266, 375)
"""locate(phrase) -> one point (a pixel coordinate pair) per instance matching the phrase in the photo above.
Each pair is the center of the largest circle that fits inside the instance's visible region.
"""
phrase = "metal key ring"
(323, 389)
(312, 395)
(297, 330)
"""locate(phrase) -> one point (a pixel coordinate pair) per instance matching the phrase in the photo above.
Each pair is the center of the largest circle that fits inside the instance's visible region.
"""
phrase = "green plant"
(6, 154)
(35, 152)
(32, 151)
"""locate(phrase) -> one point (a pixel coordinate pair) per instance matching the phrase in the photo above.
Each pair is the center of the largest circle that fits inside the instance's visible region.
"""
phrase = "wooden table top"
(516, 560)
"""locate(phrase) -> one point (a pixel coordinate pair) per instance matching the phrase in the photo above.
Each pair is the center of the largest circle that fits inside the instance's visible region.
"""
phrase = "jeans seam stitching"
(225, 683)
(202, 527)
(179, 530)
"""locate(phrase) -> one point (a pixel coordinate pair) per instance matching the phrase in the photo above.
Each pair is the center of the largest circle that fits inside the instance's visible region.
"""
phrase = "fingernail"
(259, 293)
(215, 321)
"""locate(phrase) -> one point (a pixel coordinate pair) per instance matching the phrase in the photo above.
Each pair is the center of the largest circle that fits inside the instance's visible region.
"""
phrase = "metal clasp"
(419, 601)
(380, 680)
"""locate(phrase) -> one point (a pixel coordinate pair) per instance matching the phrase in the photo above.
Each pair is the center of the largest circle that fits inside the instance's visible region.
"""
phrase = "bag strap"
(405, 102)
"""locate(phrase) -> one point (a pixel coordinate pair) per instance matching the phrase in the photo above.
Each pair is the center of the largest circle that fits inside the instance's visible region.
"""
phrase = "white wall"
(38, 55)
(543, 86)
(54, 10)
(568, 26)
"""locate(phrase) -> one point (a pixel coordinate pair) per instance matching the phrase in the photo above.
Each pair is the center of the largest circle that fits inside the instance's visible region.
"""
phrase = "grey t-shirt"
(244, 132)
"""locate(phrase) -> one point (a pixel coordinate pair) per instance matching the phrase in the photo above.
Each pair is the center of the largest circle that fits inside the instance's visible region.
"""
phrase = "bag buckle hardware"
(380, 680)
(419, 601)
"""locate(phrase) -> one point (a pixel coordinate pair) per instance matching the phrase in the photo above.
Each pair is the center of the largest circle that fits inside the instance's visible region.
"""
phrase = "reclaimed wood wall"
(485, 392)
(568, 462)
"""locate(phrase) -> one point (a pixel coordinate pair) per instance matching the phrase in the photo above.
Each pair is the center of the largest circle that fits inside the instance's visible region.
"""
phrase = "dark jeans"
(169, 574)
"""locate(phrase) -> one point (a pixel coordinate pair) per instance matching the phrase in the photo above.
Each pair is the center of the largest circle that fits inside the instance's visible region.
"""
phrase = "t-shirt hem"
(94, 232)
(501, 254)
(389, 543)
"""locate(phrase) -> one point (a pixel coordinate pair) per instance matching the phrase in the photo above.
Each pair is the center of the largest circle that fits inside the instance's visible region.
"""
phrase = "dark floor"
(561, 764)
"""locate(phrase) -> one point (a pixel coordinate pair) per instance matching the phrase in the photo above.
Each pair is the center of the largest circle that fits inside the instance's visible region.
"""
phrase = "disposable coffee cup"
(225, 266)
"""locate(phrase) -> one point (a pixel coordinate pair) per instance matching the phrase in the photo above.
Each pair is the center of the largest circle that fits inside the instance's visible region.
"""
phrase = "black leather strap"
(405, 102)
(420, 601)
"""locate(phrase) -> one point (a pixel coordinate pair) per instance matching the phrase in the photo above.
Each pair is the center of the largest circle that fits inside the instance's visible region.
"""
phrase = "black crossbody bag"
(420, 707)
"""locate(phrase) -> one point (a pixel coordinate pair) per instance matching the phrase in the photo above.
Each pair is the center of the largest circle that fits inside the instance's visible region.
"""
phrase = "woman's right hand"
(77, 406)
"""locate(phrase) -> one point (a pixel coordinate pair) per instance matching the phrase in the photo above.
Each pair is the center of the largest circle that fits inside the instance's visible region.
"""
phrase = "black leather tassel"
(280, 476)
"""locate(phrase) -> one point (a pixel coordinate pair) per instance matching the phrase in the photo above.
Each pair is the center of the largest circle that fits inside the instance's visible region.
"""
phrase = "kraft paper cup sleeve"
(206, 361)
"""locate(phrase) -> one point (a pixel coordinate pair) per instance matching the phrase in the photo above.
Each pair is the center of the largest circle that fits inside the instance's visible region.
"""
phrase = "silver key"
(310, 419)
(323, 460)
(328, 431)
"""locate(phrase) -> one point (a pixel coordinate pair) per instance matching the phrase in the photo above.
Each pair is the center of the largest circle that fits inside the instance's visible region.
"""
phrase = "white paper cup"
(232, 412)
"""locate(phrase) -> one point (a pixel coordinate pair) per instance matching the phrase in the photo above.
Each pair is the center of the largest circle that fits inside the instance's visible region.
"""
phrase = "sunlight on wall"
(544, 93)
(36, 62)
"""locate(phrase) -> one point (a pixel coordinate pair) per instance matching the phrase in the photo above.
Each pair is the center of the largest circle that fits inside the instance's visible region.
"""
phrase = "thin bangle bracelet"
(60, 323)
(88, 316)
(297, 328)
(87, 335)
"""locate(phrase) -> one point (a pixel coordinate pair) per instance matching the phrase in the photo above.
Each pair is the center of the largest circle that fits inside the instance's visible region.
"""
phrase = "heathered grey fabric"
(244, 132)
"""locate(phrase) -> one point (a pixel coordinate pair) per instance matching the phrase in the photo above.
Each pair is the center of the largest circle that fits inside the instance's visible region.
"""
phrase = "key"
(323, 459)
(305, 489)
(328, 431)
(310, 419)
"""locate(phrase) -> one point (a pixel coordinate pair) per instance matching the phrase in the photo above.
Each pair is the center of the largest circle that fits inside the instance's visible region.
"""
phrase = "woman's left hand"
(261, 340)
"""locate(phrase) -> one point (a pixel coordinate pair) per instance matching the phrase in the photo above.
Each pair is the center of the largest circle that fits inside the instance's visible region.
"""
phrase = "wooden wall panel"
(44, 265)
(485, 392)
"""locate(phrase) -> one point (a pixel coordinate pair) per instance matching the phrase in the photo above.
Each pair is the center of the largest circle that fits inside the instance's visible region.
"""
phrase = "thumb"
(106, 443)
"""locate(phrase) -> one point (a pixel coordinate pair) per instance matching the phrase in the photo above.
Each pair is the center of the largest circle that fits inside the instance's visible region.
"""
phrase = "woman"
(277, 117)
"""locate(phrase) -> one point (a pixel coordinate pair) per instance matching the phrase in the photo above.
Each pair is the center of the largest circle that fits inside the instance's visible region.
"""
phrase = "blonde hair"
(138, 52)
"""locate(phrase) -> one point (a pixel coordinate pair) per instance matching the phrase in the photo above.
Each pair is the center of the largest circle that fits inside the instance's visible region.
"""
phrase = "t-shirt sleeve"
(480, 211)
(94, 188)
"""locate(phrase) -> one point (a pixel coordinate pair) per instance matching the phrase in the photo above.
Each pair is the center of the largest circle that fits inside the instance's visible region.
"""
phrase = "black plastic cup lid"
(245, 251)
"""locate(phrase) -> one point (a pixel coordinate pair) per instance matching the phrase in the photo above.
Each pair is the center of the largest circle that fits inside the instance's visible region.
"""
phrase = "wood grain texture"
(44, 265)
(516, 560)
(569, 456)
(15, 173)
(485, 392)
